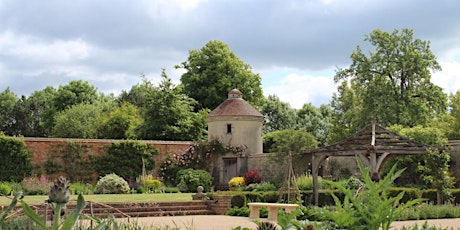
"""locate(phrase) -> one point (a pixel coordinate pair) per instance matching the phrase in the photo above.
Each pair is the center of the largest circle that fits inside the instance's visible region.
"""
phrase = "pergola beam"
(372, 144)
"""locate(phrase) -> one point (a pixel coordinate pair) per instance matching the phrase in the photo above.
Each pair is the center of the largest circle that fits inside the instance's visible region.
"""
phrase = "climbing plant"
(197, 156)
(127, 159)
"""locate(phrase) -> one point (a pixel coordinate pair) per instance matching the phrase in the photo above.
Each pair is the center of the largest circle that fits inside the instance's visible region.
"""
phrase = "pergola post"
(316, 163)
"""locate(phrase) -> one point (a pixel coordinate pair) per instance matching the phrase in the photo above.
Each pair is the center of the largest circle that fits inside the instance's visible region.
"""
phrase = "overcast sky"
(295, 45)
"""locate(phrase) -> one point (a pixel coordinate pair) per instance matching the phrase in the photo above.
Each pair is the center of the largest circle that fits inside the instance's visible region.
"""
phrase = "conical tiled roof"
(235, 105)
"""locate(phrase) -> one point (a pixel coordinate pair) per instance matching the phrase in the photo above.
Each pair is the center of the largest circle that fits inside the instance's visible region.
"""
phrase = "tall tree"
(120, 123)
(8, 102)
(213, 71)
(42, 112)
(450, 122)
(315, 121)
(284, 141)
(278, 115)
(393, 84)
(78, 121)
(168, 114)
(75, 92)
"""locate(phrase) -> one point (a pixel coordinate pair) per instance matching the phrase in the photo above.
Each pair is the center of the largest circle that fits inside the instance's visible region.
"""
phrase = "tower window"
(229, 128)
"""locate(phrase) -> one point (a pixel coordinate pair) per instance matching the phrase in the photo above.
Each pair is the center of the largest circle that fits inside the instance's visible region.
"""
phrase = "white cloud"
(449, 77)
(33, 49)
(297, 90)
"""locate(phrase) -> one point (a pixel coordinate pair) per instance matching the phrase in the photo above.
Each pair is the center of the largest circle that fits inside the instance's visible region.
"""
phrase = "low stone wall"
(220, 204)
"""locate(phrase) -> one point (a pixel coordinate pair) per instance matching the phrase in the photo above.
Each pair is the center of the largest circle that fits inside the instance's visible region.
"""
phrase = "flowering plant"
(236, 182)
(197, 156)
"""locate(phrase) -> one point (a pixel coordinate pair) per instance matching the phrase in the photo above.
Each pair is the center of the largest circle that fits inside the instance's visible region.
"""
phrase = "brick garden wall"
(44, 148)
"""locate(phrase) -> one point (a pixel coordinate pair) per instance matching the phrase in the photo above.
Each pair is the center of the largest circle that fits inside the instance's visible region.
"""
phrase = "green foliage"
(168, 114)
(316, 121)
(5, 189)
(261, 187)
(238, 201)
(81, 188)
(77, 121)
(213, 71)
(127, 159)
(76, 162)
(194, 178)
(238, 211)
(14, 159)
(449, 123)
(284, 141)
(391, 83)
(371, 207)
(119, 123)
(154, 185)
(278, 115)
(433, 166)
(7, 104)
(112, 184)
(430, 211)
(197, 156)
(76, 92)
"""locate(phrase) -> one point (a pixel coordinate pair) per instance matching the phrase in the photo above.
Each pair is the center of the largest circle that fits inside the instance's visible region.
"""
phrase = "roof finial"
(235, 93)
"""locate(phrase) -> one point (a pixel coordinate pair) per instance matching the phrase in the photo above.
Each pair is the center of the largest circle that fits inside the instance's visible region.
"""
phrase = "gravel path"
(218, 222)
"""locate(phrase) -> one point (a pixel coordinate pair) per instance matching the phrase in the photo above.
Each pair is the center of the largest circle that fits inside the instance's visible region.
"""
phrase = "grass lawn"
(112, 198)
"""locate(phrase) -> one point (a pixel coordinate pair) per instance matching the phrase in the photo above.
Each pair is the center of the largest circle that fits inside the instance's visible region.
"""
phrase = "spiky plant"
(60, 193)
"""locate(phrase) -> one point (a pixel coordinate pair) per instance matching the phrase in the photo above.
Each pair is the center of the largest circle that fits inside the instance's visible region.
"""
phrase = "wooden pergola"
(373, 145)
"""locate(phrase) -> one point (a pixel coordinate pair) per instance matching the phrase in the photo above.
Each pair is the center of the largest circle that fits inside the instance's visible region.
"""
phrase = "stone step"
(136, 209)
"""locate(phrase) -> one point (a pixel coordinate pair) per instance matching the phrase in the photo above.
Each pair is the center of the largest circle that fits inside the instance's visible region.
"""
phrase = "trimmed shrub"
(262, 187)
(235, 183)
(409, 193)
(430, 195)
(251, 177)
(14, 160)
(194, 178)
(5, 188)
(238, 211)
(238, 200)
(254, 197)
(112, 184)
(271, 197)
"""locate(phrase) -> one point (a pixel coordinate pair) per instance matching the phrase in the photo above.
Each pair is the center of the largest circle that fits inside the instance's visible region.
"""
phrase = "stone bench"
(254, 209)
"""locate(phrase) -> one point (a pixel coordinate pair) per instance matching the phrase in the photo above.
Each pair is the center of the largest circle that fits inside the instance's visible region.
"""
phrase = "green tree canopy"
(213, 71)
(315, 121)
(450, 122)
(278, 115)
(120, 123)
(430, 170)
(8, 101)
(78, 121)
(75, 92)
(392, 84)
(168, 114)
(284, 141)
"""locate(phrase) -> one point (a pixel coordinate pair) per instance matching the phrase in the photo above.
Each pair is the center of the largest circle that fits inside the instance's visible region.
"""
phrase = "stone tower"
(235, 122)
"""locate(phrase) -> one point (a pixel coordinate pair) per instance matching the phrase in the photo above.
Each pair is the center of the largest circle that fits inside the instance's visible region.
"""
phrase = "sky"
(294, 45)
